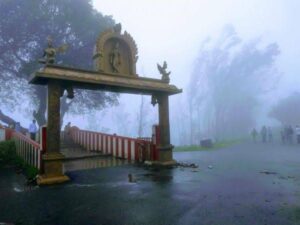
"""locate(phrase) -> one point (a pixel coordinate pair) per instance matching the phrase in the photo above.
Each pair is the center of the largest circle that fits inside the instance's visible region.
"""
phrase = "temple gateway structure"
(115, 56)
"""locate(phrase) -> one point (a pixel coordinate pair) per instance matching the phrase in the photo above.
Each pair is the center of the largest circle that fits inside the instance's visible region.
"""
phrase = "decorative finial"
(163, 71)
(118, 28)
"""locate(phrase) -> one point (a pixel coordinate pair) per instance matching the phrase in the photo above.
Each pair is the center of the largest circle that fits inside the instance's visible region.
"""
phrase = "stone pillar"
(52, 159)
(53, 118)
(164, 148)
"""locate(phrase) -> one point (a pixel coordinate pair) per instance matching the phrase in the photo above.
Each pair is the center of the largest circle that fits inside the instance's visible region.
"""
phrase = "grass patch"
(292, 213)
(9, 157)
(216, 145)
(296, 215)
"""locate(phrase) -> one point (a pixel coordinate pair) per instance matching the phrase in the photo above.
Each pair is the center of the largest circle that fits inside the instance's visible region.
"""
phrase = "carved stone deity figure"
(115, 58)
(50, 52)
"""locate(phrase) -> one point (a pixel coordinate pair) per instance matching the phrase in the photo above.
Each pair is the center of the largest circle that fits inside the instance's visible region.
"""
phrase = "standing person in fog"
(254, 134)
(290, 133)
(270, 135)
(297, 131)
(286, 133)
(263, 134)
(282, 134)
(32, 130)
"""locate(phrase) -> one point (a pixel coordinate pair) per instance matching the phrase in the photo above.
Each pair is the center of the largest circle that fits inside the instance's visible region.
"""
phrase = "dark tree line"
(229, 78)
(24, 29)
(287, 110)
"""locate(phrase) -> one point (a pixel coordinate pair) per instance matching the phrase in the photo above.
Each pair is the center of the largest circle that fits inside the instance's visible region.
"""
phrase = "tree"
(23, 36)
(180, 121)
(287, 110)
(141, 117)
(228, 80)
(146, 117)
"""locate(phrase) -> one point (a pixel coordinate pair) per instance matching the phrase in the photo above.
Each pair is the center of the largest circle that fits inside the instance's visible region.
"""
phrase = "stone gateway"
(115, 58)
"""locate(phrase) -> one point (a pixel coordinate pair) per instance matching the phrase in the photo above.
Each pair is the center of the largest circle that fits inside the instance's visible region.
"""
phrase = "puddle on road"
(132, 179)
(157, 177)
(136, 178)
(83, 185)
(19, 188)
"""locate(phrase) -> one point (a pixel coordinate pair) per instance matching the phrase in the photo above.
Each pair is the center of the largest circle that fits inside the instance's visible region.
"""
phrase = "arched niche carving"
(115, 52)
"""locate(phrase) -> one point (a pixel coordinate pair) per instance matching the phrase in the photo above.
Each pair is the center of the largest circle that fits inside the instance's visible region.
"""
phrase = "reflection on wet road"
(92, 163)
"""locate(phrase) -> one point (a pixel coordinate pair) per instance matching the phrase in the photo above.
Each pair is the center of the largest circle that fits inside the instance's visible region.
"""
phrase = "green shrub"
(30, 172)
(19, 162)
(8, 156)
(7, 152)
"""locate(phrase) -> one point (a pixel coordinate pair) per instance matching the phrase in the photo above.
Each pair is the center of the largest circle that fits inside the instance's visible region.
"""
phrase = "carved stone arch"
(115, 53)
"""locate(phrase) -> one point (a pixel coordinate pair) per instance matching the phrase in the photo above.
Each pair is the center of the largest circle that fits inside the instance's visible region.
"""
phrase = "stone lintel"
(92, 80)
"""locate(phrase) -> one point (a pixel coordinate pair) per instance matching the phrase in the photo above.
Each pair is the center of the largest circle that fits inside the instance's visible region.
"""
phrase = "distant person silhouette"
(290, 133)
(254, 134)
(263, 134)
(297, 131)
(283, 136)
(32, 130)
(270, 135)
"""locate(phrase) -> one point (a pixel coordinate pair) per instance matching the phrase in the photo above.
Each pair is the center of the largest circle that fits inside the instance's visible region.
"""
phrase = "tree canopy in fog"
(24, 28)
(230, 75)
(287, 110)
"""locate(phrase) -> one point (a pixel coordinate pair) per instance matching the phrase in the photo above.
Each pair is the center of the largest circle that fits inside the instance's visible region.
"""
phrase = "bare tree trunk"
(191, 122)
(141, 118)
(40, 114)
(199, 125)
(64, 107)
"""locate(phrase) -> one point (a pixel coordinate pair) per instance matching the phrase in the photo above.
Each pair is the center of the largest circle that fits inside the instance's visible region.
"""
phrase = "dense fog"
(236, 61)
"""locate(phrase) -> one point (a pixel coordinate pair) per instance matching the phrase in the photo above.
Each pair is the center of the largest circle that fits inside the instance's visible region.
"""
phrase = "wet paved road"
(243, 184)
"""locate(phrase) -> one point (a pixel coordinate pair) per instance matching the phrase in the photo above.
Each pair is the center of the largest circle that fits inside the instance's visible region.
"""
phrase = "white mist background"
(173, 31)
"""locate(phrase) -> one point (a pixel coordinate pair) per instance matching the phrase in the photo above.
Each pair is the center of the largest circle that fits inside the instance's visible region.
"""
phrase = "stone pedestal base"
(53, 169)
(165, 157)
(45, 180)
(165, 153)
(169, 163)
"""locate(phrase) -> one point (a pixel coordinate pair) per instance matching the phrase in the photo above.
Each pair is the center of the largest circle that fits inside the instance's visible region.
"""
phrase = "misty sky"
(173, 30)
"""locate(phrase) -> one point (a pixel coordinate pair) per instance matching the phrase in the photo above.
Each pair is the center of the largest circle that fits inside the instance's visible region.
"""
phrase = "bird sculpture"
(163, 71)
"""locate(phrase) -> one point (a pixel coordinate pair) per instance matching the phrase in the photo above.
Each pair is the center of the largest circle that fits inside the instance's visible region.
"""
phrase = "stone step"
(79, 153)
(93, 163)
(67, 145)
